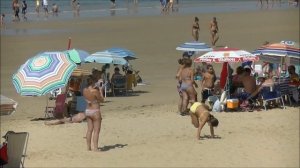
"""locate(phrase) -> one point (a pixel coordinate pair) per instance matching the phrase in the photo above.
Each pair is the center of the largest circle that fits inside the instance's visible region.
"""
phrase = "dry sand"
(145, 130)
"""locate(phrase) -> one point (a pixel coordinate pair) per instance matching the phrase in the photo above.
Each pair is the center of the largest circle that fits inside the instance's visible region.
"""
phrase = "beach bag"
(217, 106)
(3, 154)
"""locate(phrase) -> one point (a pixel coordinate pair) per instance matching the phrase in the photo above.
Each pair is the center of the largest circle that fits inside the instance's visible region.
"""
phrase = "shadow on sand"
(109, 147)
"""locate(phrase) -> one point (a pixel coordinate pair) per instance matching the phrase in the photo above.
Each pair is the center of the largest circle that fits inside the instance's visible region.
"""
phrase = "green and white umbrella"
(43, 73)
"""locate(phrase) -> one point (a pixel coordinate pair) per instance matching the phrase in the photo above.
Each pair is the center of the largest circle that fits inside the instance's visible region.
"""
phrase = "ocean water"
(102, 8)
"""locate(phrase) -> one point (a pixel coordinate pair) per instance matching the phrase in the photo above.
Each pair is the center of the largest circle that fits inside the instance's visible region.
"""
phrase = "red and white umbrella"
(227, 55)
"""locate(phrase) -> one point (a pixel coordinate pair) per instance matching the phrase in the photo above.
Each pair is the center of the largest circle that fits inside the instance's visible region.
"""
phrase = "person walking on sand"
(196, 29)
(93, 96)
(200, 116)
(186, 80)
(214, 31)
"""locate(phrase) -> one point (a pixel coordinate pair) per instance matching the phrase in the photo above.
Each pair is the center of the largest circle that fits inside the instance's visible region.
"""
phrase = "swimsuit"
(194, 107)
(91, 112)
(206, 93)
(185, 86)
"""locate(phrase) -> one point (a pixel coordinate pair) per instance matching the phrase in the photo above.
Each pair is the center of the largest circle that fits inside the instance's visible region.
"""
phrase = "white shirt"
(45, 2)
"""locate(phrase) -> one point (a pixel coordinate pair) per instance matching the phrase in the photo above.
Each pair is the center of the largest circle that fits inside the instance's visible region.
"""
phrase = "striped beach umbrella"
(122, 52)
(227, 55)
(277, 51)
(43, 73)
(77, 55)
(105, 57)
(194, 46)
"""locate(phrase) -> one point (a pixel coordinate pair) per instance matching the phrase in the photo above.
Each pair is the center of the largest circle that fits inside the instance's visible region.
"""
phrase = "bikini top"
(195, 27)
(91, 102)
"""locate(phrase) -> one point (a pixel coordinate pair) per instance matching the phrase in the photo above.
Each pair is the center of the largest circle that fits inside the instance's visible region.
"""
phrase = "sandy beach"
(144, 129)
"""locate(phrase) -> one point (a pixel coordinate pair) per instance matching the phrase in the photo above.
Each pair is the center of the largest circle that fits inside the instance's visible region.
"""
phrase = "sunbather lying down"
(77, 118)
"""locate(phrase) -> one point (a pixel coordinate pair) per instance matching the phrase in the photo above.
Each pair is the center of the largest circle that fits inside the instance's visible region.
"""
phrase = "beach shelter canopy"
(122, 52)
(227, 55)
(194, 46)
(77, 55)
(43, 73)
(105, 57)
(7, 105)
(277, 51)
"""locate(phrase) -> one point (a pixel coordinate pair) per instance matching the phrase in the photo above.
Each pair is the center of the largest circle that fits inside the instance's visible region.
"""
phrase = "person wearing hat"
(200, 115)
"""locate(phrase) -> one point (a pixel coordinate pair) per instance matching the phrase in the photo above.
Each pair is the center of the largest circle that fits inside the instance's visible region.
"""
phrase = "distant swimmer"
(24, 10)
(37, 7)
(55, 9)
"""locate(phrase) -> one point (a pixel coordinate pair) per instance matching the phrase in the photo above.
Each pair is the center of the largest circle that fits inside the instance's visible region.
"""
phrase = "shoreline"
(144, 129)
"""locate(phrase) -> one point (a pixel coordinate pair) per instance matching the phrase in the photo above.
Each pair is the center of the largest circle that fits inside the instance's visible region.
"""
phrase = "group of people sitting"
(76, 87)
(244, 85)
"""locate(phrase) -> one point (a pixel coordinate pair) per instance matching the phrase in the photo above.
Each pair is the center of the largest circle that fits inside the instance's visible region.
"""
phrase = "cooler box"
(232, 103)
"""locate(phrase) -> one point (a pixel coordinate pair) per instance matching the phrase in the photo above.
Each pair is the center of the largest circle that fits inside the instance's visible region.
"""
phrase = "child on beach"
(200, 116)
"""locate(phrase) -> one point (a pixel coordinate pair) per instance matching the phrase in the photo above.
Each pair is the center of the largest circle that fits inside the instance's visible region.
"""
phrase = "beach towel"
(223, 75)
(3, 154)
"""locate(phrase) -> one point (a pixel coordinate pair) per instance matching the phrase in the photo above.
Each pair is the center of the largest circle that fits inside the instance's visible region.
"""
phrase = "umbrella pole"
(47, 104)
(69, 43)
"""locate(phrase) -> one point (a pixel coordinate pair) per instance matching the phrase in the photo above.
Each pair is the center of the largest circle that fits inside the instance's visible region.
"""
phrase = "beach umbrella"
(194, 47)
(226, 55)
(43, 73)
(77, 55)
(105, 57)
(122, 52)
(276, 52)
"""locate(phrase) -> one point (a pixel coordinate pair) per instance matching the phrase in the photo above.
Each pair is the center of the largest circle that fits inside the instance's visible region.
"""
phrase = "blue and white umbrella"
(105, 57)
(77, 55)
(122, 52)
(194, 47)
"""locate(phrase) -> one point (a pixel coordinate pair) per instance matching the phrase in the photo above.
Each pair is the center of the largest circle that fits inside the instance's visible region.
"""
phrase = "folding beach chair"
(60, 107)
(119, 83)
(271, 94)
(16, 148)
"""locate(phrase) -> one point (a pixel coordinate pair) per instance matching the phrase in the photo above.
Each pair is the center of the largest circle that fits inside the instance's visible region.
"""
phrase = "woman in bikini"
(214, 31)
(196, 29)
(200, 116)
(186, 79)
(93, 97)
